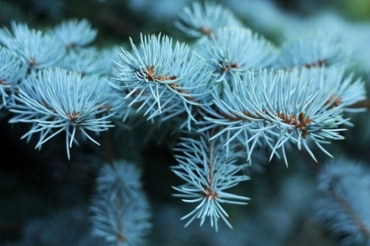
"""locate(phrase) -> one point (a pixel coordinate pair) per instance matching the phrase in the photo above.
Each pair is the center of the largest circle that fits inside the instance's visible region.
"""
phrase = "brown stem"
(362, 104)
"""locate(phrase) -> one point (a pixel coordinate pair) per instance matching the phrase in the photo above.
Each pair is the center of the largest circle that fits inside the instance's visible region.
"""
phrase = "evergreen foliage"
(120, 210)
(343, 185)
(230, 100)
(208, 172)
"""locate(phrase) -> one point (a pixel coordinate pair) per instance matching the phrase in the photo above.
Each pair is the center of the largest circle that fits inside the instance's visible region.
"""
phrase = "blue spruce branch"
(342, 205)
(208, 172)
(120, 211)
